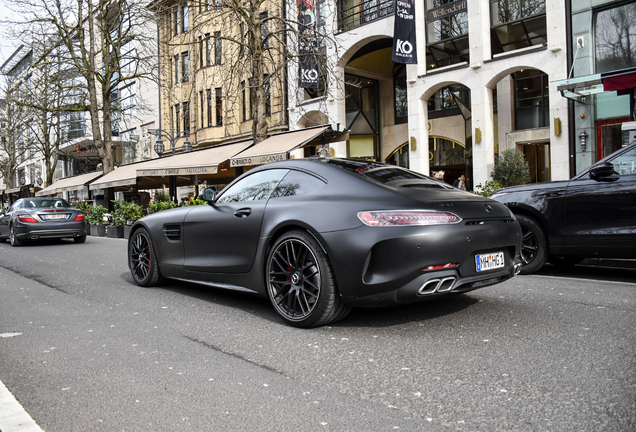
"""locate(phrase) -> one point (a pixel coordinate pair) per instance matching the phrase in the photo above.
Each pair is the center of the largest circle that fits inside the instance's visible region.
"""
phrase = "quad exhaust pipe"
(437, 286)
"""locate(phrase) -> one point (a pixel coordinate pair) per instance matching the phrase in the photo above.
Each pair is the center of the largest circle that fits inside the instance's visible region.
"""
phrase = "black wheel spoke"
(294, 279)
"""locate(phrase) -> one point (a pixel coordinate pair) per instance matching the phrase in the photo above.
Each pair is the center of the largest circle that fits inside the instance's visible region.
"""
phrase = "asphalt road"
(548, 352)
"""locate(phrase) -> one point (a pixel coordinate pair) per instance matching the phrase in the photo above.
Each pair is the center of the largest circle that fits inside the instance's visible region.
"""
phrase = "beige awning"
(149, 174)
(276, 147)
(125, 175)
(200, 162)
(69, 184)
(13, 190)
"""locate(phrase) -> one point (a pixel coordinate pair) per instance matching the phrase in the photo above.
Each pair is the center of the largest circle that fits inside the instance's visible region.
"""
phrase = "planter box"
(98, 230)
(88, 229)
(114, 231)
(127, 229)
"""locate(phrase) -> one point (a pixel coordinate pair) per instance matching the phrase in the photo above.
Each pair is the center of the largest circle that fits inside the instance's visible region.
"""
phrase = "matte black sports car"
(320, 235)
(593, 215)
(42, 218)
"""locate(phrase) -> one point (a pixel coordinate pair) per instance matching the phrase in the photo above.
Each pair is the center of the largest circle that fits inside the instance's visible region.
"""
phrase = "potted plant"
(84, 207)
(132, 212)
(96, 220)
(116, 230)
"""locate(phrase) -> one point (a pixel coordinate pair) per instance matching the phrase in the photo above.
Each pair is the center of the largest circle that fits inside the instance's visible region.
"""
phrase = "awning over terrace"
(69, 184)
(276, 147)
(154, 173)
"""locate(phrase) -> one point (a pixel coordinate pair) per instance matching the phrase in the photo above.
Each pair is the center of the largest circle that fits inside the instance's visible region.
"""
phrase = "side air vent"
(172, 232)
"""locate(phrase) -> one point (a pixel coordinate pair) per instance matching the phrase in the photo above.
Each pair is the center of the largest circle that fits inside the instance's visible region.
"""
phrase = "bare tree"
(106, 42)
(12, 143)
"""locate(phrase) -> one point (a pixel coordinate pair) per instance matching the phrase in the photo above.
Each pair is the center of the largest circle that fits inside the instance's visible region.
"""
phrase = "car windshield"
(388, 174)
(45, 203)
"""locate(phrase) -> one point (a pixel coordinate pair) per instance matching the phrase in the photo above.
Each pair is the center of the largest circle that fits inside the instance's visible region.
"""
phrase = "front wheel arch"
(534, 247)
(300, 282)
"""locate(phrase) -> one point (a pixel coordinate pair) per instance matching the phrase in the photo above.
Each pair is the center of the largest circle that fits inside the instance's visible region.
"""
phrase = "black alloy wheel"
(533, 245)
(142, 259)
(300, 282)
(13, 239)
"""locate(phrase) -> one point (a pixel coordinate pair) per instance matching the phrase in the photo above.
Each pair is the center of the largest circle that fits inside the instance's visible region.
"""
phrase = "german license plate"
(55, 216)
(489, 261)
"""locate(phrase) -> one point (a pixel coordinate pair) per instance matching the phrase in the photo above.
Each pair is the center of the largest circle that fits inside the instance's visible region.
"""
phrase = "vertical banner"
(307, 45)
(404, 44)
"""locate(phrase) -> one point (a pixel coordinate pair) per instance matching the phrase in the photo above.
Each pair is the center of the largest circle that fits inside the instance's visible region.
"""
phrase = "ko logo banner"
(404, 44)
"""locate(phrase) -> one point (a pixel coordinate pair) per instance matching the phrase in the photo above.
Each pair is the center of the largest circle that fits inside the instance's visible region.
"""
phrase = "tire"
(534, 244)
(14, 240)
(142, 260)
(300, 282)
(81, 239)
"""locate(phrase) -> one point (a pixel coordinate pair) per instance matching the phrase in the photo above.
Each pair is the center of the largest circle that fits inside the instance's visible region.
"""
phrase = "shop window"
(400, 156)
(446, 33)
(517, 24)
(615, 38)
(532, 104)
(362, 116)
(400, 94)
(445, 102)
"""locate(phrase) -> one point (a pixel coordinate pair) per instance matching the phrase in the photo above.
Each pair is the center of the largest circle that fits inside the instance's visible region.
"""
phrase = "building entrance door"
(538, 157)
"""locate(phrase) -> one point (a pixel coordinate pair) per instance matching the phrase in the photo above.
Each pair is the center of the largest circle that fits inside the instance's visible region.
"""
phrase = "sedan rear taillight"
(26, 218)
(407, 218)
(78, 218)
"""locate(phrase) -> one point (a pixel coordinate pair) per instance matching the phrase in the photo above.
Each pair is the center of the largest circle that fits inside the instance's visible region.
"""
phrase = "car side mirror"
(602, 171)
(208, 195)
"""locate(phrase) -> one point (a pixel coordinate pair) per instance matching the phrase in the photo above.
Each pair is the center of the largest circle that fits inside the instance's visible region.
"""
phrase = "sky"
(7, 47)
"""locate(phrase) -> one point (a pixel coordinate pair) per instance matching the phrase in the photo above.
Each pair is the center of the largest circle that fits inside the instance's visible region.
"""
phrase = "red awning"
(621, 83)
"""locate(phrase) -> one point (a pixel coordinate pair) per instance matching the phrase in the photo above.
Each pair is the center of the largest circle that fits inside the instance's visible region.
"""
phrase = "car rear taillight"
(407, 218)
(78, 218)
(26, 218)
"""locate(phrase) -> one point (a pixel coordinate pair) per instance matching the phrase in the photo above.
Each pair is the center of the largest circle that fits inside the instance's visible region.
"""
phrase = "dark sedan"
(42, 218)
(320, 235)
(593, 215)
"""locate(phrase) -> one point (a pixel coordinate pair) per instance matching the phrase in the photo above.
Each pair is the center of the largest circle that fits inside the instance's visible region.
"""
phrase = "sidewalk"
(13, 418)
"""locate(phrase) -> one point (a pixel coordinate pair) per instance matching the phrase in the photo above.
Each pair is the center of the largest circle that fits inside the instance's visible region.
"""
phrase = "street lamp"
(172, 138)
(33, 178)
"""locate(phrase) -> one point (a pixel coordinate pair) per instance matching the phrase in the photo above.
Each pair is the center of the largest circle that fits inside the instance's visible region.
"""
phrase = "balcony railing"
(356, 13)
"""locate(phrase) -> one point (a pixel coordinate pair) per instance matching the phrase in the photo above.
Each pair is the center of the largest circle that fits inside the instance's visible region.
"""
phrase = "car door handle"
(244, 212)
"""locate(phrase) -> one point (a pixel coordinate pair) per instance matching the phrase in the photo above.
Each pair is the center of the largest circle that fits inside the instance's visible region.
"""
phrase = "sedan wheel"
(142, 260)
(534, 244)
(13, 239)
(300, 282)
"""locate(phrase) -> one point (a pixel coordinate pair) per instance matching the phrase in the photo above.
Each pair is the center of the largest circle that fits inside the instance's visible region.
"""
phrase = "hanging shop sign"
(404, 44)
(308, 72)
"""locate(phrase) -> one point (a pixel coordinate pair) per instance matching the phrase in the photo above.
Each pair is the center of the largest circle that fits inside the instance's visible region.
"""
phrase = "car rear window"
(387, 174)
(45, 203)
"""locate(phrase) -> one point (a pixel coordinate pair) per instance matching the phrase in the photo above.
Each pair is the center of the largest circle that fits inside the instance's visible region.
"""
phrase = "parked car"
(41, 218)
(320, 235)
(593, 215)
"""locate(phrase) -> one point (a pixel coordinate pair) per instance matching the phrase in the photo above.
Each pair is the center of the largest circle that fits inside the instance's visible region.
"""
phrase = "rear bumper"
(34, 232)
(376, 266)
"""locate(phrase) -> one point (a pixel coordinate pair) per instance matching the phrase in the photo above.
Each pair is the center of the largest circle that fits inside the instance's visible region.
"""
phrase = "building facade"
(483, 83)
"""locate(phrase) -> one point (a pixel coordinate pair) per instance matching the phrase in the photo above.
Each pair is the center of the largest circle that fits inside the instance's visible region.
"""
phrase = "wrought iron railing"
(354, 13)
